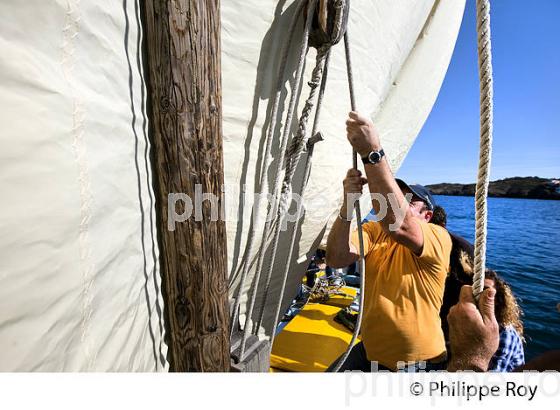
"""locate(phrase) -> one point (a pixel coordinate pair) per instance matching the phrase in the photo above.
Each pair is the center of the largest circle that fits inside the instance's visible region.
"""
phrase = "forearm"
(388, 199)
(340, 252)
(391, 206)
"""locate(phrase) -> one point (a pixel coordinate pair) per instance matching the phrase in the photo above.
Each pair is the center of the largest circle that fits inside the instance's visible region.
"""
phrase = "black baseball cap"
(420, 191)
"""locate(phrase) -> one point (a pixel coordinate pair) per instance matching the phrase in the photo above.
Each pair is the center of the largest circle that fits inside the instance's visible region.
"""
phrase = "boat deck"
(312, 340)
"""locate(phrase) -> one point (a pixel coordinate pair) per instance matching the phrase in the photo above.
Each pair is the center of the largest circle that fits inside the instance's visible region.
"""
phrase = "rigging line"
(270, 225)
(285, 134)
(486, 131)
(297, 147)
(322, 63)
(361, 262)
(270, 137)
(280, 212)
(294, 155)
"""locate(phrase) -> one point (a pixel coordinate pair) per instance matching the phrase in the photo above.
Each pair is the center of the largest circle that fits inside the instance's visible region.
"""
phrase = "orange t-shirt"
(403, 295)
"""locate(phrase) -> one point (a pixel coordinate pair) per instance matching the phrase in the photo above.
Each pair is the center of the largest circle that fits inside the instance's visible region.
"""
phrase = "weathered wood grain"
(182, 47)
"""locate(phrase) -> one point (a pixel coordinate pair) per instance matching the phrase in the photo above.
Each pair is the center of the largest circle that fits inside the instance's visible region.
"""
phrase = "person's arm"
(473, 333)
(547, 361)
(399, 221)
(340, 250)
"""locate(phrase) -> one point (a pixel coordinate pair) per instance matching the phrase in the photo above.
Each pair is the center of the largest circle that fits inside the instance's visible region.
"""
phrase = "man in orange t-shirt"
(407, 261)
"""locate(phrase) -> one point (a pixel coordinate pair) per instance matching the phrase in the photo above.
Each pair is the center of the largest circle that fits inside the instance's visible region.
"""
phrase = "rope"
(298, 144)
(270, 137)
(295, 150)
(322, 290)
(293, 157)
(486, 130)
(284, 142)
(322, 57)
(294, 154)
(361, 262)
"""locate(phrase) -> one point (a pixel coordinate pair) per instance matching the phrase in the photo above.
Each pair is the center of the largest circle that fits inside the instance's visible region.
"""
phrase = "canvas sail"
(401, 51)
(79, 277)
(79, 270)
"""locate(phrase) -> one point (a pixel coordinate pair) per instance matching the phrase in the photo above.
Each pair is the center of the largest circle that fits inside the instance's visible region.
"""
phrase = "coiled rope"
(486, 131)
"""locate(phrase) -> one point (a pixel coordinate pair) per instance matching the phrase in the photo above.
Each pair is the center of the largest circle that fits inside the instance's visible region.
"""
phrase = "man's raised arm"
(399, 221)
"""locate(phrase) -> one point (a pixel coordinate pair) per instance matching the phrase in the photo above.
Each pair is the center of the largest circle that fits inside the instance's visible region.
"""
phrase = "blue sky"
(526, 51)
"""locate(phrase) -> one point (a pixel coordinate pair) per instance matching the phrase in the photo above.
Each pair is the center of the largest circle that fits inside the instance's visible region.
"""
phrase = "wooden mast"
(182, 46)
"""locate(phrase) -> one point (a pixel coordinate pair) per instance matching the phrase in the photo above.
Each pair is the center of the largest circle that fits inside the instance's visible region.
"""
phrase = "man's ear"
(428, 215)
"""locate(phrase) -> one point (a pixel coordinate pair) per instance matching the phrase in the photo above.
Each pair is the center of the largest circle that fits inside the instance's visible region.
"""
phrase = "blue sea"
(524, 248)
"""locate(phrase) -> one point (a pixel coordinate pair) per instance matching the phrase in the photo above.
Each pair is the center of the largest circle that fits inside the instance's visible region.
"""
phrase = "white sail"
(400, 50)
(79, 269)
(79, 277)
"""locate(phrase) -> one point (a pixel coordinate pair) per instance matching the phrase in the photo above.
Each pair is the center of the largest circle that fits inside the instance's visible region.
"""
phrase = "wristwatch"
(373, 157)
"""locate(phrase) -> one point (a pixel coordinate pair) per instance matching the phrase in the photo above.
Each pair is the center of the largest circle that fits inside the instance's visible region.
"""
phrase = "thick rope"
(486, 130)
(298, 142)
(293, 157)
(291, 162)
(295, 151)
(294, 154)
(361, 261)
(270, 137)
(284, 142)
(322, 71)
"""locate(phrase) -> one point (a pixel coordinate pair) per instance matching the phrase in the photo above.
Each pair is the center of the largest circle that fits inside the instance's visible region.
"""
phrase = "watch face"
(374, 157)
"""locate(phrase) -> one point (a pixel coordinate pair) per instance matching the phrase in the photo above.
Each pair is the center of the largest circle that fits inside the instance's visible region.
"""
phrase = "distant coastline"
(516, 187)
